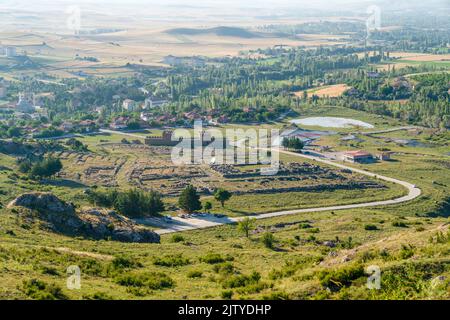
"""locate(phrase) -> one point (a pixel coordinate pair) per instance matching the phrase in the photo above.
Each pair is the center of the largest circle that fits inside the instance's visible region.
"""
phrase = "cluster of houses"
(149, 103)
(211, 118)
(27, 107)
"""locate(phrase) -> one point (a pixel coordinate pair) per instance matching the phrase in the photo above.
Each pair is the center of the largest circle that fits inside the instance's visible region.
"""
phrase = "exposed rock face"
(42, 202)
(105, 223)
(61, 217)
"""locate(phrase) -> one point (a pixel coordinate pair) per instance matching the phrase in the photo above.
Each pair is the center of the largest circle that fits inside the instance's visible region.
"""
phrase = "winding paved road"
(179, 224)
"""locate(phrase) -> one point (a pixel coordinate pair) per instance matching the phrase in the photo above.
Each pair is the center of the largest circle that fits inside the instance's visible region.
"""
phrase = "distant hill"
(219, 31)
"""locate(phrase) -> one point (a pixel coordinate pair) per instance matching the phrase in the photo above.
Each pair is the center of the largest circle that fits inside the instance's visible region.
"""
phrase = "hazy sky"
(324, 4)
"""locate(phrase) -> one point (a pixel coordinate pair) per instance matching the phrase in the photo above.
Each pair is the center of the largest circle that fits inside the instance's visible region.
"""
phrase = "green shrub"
(440, 237)
(49, 270)
(304, 226)
(406, 251)
(171, 261)
(121, 262)
(151, 280)
(177, 238)
(277, 296)
(370, 227)
(336, 279)
(224, 268)
(97, 296)
(268, 240)
(399, 224)
(39, 290)
(194, 274)
(238, 281)
(212, 258)
(227, 295)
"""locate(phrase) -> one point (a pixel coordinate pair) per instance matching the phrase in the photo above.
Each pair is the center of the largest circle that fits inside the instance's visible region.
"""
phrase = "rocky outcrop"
(42, 202)
(108, 223)
(58, 216)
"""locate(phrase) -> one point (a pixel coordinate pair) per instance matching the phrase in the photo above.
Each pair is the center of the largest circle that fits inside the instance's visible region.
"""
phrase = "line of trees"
(293, 143)
(131, 203)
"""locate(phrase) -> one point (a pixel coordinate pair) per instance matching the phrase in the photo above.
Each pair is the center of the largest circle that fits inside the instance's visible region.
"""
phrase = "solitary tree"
(45, 168)
(246, 225)
(189, 200)
(207, 206)
(222, 196)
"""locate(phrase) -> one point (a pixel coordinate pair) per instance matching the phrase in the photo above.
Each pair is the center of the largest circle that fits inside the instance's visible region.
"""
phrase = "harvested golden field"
(420, 57)
(332, 91)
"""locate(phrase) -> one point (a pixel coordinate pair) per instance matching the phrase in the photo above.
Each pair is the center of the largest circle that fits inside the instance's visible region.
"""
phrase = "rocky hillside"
(58, 216)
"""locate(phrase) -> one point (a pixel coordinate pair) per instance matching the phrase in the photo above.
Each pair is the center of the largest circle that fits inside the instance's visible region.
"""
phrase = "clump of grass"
(227, 294)
(337, 279)
(97, 296)
(268, 240)
(224, 268)
(214, 258)
(440, 237)
(304, 226)
(195, 274)
(176, 260)
(238, 281)
(406, 252)
(121, 263)
(39, 290)
(150, 280)
(399, 224)
(177, 238)
(370, 227)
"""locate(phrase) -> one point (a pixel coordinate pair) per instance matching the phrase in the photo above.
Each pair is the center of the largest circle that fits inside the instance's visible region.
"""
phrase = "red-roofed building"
(358, 156)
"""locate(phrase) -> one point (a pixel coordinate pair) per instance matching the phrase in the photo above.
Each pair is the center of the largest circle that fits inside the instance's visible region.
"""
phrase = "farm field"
(327, 91)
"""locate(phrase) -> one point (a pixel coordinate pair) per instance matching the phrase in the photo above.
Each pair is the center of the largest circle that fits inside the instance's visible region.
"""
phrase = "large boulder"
(58, 216)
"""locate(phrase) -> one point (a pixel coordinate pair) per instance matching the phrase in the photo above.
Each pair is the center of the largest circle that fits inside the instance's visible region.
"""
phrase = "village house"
(358, 156)
(147, 117)
(129, 105)
(192, 115)
(119, 123)
(384, 156)
(86, 126)
(66, 126)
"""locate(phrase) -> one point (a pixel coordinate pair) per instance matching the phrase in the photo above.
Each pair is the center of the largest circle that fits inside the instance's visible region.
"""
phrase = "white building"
(2, 91)
(129, 105)
(24, 104)
(10, 52)
(151, 103)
